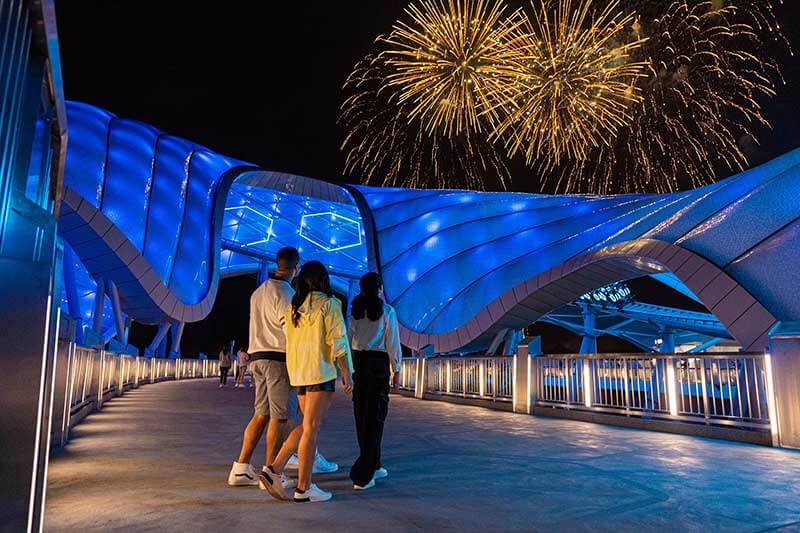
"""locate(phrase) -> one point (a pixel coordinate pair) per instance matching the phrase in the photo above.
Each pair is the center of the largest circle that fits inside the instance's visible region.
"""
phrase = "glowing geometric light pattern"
(269, 219)
(245, 239)
(331, 231)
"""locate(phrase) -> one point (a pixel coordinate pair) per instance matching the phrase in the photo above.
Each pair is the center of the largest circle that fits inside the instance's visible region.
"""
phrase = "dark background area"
(261, 81)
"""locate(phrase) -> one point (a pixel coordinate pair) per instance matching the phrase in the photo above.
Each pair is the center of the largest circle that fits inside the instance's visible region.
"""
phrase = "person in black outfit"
(375, 341)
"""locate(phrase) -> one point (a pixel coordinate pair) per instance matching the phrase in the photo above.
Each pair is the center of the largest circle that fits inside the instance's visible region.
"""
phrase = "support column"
(157, 340)
(667, 341)
(128, 322)
(589, 340)
(177, 334)
(116, 307)
(782, 363)
(512, 342)
(97, 318)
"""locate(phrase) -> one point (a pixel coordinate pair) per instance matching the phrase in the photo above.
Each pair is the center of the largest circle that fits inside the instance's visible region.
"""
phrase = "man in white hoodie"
(275, 400)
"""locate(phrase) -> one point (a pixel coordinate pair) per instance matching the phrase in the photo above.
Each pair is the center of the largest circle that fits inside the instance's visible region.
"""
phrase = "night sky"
(260, 81)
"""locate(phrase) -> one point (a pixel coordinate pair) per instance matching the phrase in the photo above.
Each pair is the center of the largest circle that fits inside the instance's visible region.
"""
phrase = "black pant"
(370, 405)
(223, 374)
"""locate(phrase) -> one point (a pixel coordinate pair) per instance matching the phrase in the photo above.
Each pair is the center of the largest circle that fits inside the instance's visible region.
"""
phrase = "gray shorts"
(274, 395)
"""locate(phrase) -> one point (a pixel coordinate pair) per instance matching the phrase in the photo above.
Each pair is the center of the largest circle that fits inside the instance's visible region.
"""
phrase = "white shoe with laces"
(312, 494)
(272, 483)
(321, 465)
(242, 474)
(380, 473)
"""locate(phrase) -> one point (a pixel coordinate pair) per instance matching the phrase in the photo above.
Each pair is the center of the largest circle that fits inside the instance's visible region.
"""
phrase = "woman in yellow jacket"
(316, 344)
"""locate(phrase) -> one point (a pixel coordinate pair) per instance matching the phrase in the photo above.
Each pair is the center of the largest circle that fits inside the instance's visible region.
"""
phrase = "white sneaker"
(221, 385)
(365, 487)
(286, 482)
(312, 494)
(380, 473)
(272, 483)
(321, 465)
(242, 474)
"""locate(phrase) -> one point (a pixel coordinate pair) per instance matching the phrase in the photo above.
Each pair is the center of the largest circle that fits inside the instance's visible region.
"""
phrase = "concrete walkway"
(157, 459)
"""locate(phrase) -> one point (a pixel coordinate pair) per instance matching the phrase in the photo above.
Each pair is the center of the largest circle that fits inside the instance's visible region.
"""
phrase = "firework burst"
(574, 82)
(446, 60)
(709, 69)
(385, 146)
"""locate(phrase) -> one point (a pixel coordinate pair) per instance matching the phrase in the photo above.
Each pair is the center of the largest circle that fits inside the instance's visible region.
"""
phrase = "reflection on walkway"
(157, 458)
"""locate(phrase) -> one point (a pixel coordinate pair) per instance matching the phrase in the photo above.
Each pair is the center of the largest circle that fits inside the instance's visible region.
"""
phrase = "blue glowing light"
(270, 222)
(331, 231)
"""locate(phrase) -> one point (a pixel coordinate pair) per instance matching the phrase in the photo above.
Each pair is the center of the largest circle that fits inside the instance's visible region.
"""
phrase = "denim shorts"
(328, 386)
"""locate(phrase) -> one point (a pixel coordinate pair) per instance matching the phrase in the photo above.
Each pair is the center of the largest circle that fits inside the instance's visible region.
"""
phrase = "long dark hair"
(368, 303)
(313, 276)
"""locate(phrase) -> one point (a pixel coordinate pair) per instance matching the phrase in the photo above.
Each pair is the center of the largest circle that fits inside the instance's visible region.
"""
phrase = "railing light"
(672, 391)
(773, 412)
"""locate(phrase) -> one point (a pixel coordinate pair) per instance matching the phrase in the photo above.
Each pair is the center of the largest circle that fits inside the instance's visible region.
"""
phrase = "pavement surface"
(157, 459)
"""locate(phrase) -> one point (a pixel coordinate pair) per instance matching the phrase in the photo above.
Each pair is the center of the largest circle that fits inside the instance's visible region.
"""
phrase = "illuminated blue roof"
(163, 218)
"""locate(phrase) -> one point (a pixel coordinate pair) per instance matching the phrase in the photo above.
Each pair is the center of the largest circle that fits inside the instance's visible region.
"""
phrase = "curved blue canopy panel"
(449, 256)
(143, 210)
(162, 218)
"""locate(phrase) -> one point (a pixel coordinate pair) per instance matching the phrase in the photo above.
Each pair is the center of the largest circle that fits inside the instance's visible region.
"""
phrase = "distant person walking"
(316, 345)
(242, 359)
(224, 365)
(375, 340)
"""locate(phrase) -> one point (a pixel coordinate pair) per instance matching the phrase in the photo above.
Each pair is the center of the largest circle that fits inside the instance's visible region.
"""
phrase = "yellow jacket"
(318, 340)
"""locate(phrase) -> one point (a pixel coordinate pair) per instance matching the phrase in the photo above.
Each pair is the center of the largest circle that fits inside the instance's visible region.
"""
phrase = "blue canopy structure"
(161, 219)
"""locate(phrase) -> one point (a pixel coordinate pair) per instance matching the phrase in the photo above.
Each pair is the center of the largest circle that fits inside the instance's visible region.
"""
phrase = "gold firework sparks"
(709, 69)
(574, 81)
(448, 58)
(384, 146)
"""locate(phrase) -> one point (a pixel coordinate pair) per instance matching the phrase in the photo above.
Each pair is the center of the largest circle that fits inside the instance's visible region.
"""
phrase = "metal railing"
(93, 376)
(489, 378)
(408, 374)
(719, 388)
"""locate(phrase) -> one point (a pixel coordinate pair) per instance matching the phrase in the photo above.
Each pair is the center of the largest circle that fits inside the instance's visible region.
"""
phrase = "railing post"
(101, 380)
(482, 378)
(449, 376)
(522, 389)
(704, 384)
(782, 366)
(419, 384)
(625, 383)
(587, 382)
(463, 365)
(672, 389)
